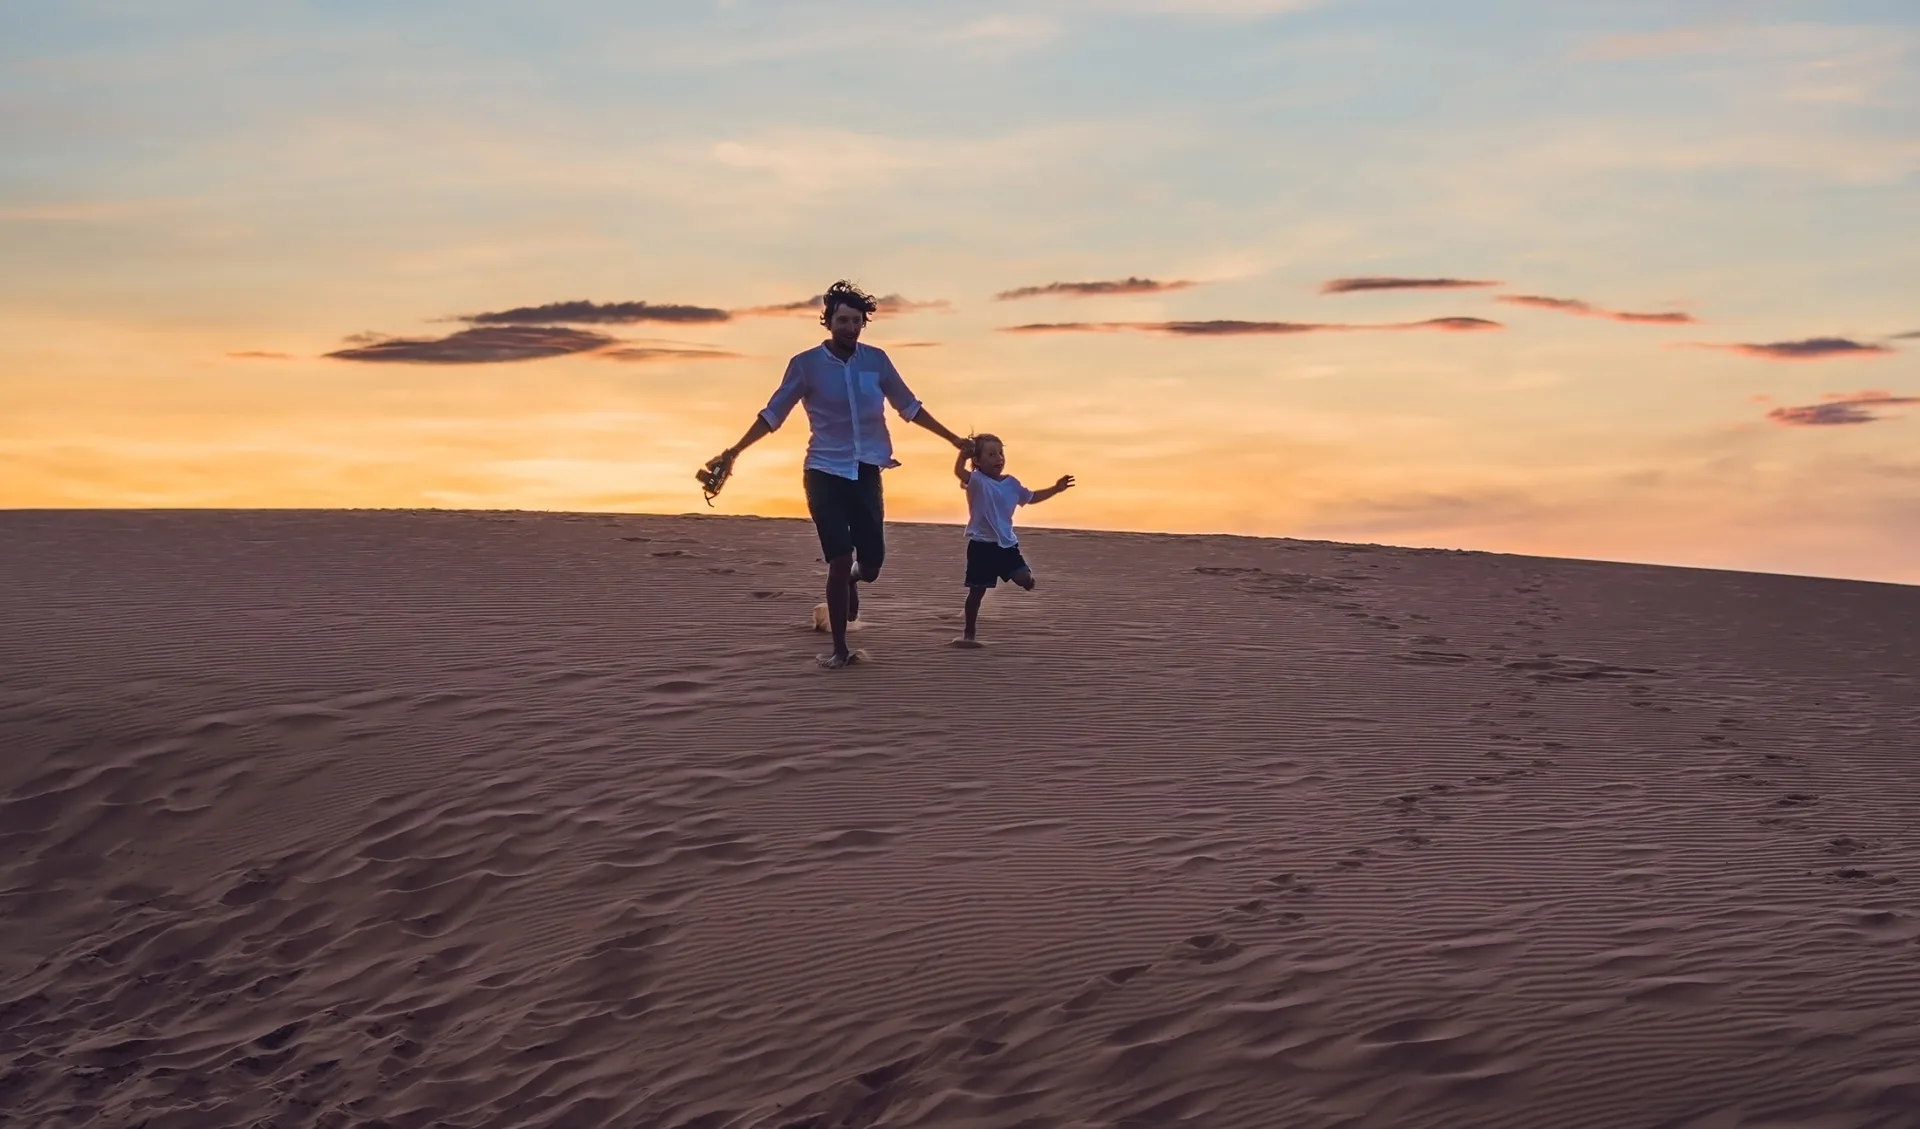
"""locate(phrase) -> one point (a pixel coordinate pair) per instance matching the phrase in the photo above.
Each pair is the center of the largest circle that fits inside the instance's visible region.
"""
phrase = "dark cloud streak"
(1810, 349)
(1232, 328)
(1840, 409)
(479, 346)
(1128, 285)
(1587, 309)
(1361, 285)
(889, 304)
(597, 313)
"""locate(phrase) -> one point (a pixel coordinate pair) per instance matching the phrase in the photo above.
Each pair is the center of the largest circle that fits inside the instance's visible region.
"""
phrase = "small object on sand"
(823, 622)
(968, 644)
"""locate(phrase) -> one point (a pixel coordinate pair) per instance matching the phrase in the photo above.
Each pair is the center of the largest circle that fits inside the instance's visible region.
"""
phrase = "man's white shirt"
(846, 407)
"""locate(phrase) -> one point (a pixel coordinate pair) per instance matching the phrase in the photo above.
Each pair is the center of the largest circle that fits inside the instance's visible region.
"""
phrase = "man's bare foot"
(836, 660)
(968, 642)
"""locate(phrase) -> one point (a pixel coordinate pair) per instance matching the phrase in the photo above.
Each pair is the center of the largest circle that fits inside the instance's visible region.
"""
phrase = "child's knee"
(1024, 579)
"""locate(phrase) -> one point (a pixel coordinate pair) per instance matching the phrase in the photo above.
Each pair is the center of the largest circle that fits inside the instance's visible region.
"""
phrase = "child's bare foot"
(839, 659)
(968, 642)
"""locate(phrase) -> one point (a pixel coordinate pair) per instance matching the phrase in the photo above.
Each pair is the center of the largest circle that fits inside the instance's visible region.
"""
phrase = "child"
(993, 551)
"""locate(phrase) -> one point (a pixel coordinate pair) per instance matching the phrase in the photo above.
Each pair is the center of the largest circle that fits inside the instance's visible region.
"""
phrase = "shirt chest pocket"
(869, 385)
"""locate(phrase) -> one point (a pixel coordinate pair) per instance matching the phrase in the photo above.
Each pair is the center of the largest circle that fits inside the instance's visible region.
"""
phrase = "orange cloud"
(1128, 285)
(1586, 309)
(1839, 408)
(259, 355)
(648, 354)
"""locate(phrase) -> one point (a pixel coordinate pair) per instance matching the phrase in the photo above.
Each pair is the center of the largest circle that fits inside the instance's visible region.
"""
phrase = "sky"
(1613, 280)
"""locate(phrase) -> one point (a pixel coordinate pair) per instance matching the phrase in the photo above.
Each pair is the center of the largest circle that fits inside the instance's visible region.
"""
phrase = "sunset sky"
(1623, 280)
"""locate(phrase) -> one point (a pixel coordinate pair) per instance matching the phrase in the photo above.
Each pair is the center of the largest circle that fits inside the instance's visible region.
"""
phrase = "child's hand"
(1066, 481)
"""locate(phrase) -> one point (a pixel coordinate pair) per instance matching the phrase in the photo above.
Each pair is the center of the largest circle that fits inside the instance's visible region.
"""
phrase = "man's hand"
(1066, 482)
(966, 447)
(718, 469)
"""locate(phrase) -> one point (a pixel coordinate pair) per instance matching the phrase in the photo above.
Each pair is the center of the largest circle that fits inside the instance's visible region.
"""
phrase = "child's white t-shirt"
(990, 507)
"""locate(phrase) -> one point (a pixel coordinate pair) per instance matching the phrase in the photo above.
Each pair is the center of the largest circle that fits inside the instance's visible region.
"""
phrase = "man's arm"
(913, 411)
(1065, 483)
(925, 419)
(760, 430)
(792, 387)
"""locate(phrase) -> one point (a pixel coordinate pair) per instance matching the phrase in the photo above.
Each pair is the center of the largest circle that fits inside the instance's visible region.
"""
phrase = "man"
(845, 386)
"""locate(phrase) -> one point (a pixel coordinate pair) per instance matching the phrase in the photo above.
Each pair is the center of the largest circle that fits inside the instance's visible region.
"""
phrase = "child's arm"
(1065, 483)
(960, 470)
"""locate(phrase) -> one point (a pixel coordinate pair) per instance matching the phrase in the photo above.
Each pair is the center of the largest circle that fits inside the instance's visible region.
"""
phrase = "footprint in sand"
(1862, 876)
(1207, 948)
(1847, 845)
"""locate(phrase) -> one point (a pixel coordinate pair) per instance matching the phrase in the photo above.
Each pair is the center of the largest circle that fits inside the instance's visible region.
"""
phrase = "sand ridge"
(492, 819)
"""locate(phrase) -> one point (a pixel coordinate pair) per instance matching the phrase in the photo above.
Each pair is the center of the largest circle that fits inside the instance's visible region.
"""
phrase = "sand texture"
(510, 820)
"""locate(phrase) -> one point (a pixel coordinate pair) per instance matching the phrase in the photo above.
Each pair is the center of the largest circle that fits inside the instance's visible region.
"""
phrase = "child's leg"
(974, 596)
(1024, 578)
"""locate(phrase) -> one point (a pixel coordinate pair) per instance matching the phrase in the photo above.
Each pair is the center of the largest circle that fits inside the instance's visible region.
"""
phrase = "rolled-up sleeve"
(792, 387)
(897, 392)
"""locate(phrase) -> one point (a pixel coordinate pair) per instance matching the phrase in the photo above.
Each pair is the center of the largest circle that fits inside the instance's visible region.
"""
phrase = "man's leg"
(839, 586)
(827, 502)
(866, 523)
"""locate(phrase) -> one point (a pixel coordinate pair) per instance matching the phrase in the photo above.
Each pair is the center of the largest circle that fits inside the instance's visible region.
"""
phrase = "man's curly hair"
(844, 293)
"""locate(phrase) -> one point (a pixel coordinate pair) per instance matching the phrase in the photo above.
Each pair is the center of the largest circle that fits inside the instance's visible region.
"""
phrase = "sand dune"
(495, 820)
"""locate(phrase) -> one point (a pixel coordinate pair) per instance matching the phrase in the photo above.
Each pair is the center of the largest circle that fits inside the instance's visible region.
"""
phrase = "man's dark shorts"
(988, 564)
(849, 516)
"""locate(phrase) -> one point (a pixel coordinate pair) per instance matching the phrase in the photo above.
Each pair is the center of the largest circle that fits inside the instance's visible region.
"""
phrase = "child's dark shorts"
(988, 564)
